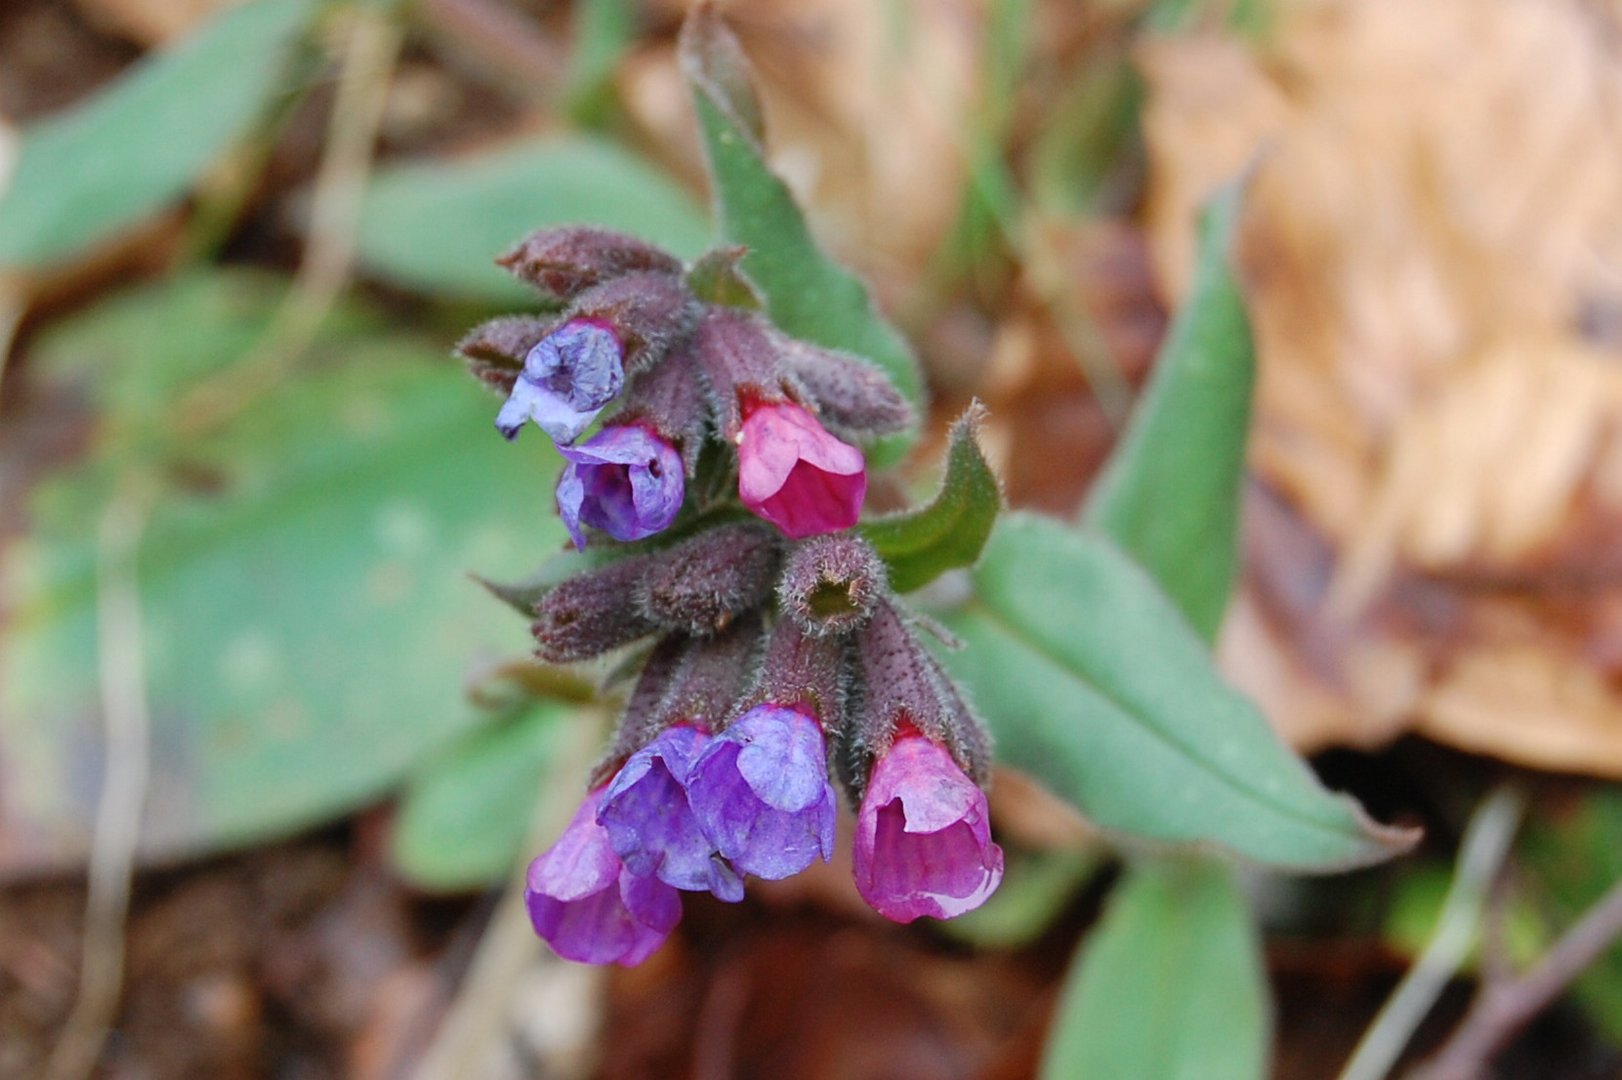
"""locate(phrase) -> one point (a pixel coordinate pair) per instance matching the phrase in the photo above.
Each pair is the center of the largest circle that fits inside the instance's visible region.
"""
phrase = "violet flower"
(568, 377)
(588, 906)
(760, 792)
(923, 839)
(624, 480)
(652, 827)
(794, 474)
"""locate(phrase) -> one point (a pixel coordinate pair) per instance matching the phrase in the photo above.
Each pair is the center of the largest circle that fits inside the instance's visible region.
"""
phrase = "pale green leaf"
(1170, 492)
(920, 545)
(1169, 986)
(463, 819)
(438, 227)
(139, 144)
(308, 615)
(1095, 685)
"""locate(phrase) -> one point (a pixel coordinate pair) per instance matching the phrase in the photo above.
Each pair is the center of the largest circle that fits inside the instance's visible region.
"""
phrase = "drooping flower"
(624, 480)
(923, 838)
(794, 474)
(651, 825)
(588, 906)
(760, 792)
(568, 377)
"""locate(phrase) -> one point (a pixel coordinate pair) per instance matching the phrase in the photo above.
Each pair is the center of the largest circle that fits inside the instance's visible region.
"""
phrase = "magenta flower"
(923, 839)
(760, 792)
(794, 474)
(624, 480)
(568, 377)
(652, 827)
(588, 907)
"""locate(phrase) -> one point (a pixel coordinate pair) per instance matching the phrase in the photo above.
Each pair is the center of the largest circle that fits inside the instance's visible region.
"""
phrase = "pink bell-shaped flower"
(923, 835)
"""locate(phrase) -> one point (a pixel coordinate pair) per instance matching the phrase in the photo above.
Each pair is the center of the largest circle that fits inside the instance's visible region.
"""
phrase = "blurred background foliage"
(243, 489)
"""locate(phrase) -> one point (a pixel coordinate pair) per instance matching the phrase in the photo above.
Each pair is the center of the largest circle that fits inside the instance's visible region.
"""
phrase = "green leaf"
(1094, 685)
(464, 818)
(139, 145)
(603, 33)
(808, 295)
(1170, 986)
(1170, 492)
(920, 545)
(307, 611)
(438, 227)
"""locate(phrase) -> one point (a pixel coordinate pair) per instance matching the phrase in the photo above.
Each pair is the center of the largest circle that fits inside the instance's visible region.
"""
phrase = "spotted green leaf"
(303, 580)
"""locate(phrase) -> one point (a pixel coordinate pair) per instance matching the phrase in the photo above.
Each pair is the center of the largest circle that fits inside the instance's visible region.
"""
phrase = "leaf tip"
(713, 61)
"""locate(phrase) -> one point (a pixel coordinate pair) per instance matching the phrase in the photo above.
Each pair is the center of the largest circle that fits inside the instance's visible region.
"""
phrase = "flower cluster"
(780, 661)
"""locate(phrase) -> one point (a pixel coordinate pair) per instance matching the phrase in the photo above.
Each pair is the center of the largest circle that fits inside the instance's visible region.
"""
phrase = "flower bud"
(830, 584)
(568, 377)
(700, 585)
(588, 906)
(626, 481)
(794, 474)
(565, 262)
(851, 395)
(650, 312)
(495, 350)
(589, 614)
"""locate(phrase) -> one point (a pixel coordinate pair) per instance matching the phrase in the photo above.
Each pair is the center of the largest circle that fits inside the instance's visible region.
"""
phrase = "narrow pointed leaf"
(1170, 986)
(808, 295)
(136, 146)
(1170, 493)
(920, 545)
(1094, 684)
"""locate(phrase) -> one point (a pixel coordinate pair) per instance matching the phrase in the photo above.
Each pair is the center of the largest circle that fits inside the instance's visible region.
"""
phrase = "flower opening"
(588, 906)
(923, 836)
(624, 480)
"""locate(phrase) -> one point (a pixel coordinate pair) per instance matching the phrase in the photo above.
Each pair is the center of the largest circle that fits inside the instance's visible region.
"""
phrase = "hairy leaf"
(920, 545)
(1094, 684)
